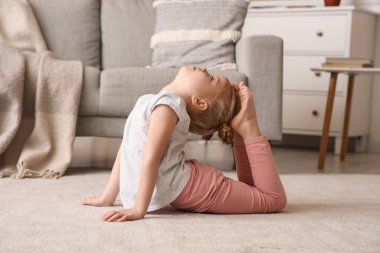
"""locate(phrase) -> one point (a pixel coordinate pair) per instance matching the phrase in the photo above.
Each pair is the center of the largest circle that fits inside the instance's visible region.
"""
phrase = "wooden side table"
(351, 72)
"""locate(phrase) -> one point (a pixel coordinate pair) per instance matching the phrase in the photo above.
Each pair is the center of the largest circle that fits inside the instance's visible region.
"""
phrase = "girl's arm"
(113, 186)
(163, 121)
(112, 189)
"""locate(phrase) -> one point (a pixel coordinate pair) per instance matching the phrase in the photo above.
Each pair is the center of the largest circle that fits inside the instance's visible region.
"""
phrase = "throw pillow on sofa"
(197, 32)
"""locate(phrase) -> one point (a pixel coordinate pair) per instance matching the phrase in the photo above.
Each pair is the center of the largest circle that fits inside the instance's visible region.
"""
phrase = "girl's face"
(200, 83)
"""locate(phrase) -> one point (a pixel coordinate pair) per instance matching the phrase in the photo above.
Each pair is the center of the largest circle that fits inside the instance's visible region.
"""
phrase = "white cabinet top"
(282, 9)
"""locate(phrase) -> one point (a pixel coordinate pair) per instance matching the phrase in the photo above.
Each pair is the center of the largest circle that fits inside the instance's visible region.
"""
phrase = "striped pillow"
(197, 32)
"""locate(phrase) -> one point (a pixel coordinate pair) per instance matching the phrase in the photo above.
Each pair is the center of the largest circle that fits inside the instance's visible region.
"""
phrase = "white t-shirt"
(173, 172)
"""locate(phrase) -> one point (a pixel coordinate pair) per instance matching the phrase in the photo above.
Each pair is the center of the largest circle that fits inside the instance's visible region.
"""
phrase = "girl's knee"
(282, 203)
(275, 203)
(279, 203)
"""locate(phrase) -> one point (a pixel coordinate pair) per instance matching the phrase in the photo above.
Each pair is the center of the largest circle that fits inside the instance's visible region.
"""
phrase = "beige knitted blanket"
(39, 98)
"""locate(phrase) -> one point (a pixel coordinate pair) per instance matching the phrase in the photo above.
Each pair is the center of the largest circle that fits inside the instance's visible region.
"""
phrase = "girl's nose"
(203, 69)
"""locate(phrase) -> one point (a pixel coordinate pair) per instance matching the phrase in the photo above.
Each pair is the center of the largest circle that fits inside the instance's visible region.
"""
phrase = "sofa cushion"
(201, 33)
(89, 102)
(121, 87)
(71, 28)
(110, 127)
(127, 26)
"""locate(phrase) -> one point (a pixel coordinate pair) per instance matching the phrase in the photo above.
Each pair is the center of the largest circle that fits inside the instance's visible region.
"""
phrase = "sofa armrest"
(260, 58)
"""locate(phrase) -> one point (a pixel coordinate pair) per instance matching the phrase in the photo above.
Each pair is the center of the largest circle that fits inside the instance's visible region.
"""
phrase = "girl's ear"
(198, 103)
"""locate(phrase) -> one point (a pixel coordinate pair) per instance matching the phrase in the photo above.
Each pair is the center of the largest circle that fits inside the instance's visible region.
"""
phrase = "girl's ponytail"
(226, 133)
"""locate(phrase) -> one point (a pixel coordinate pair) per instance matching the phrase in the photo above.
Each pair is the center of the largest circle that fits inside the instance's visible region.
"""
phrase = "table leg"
(347, 117)
(327, 121)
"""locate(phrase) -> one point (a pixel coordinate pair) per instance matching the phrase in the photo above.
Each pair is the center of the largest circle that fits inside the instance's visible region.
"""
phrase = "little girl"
(151, 172)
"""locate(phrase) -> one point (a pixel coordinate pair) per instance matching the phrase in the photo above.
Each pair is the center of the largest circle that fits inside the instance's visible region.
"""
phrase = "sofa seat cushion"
(71, 28)
(121, 87)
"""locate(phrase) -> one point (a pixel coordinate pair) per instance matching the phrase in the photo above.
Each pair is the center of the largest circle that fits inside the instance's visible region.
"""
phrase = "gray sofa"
(111, 37)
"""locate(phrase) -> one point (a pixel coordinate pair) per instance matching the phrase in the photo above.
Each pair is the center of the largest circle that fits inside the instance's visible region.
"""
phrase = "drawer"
(315, 33)
(307, 112)
(298, 76)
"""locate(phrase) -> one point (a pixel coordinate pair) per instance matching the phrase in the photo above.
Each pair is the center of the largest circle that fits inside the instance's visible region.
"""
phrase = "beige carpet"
(325, 213)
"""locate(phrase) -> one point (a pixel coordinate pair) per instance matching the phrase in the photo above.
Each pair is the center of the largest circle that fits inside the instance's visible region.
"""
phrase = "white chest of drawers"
(310, 35)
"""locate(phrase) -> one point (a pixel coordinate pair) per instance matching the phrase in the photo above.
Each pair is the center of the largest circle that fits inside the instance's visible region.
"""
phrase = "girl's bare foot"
(245, 122)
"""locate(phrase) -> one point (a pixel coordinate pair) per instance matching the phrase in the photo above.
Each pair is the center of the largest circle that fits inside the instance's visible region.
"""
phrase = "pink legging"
(259, 189)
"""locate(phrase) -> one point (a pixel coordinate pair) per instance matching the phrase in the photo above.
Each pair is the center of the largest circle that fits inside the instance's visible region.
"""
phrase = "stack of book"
(333, 62)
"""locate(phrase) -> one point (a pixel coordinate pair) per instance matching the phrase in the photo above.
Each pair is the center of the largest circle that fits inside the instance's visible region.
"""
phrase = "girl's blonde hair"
(217, 117)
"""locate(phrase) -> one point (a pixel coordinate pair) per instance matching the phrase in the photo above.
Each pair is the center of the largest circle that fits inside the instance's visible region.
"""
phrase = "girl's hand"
(122, 215)
(95, 201)
(245, 121)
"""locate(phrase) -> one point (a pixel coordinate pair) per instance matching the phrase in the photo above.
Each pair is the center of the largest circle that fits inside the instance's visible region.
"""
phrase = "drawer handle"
(319, 33)
(315, 113)
(317, 74)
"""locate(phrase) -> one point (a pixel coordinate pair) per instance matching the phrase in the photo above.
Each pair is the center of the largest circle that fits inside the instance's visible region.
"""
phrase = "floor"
(45, 215)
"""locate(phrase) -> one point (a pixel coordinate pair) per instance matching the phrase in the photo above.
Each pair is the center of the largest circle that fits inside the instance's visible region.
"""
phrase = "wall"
(374, 135)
